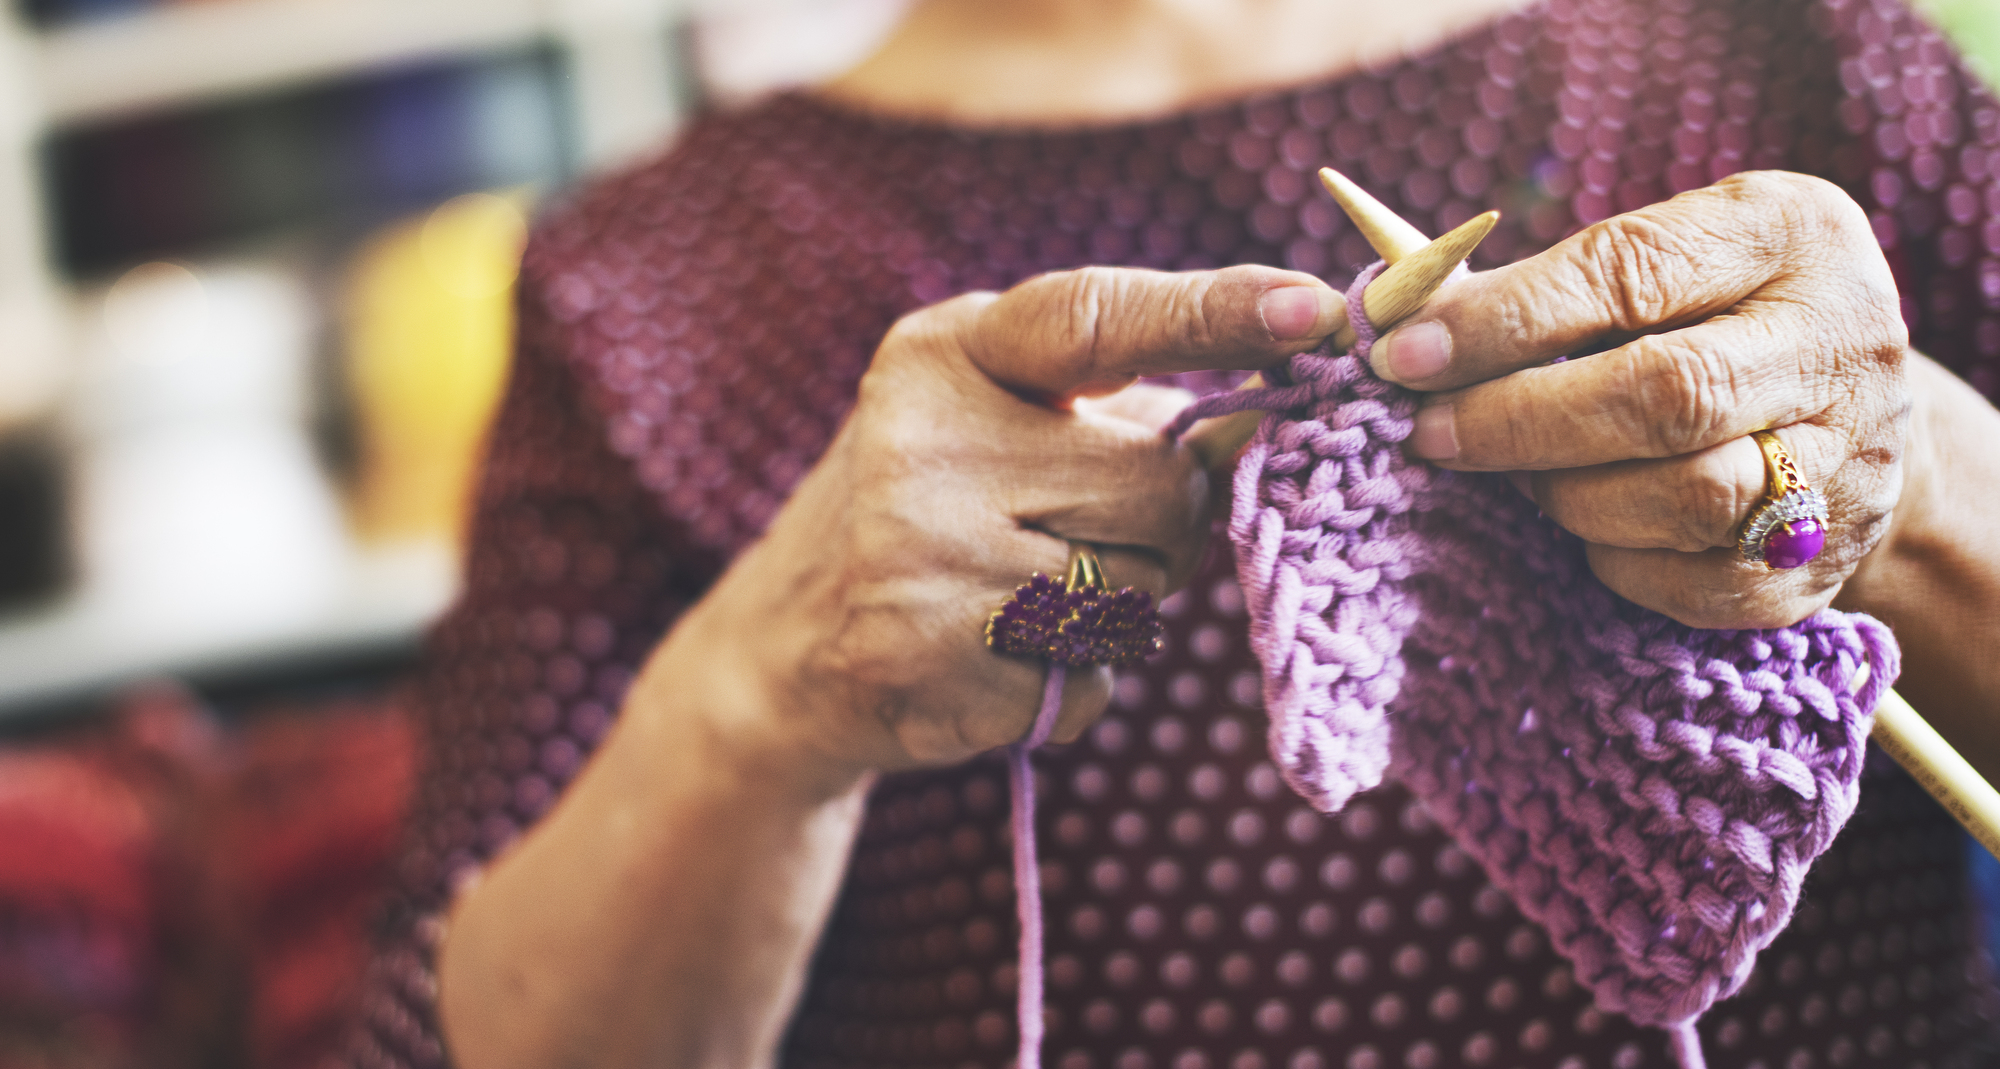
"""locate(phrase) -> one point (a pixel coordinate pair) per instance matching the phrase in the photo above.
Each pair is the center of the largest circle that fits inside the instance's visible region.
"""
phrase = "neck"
(1067, 62)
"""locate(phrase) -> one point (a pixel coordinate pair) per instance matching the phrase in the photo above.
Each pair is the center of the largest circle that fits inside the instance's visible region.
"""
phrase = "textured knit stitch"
(1719, 765)
(691, 333)
(1321, 522)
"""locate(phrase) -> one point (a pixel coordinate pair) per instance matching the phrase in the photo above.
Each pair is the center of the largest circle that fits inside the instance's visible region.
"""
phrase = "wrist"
(717, 694)
(694, 860)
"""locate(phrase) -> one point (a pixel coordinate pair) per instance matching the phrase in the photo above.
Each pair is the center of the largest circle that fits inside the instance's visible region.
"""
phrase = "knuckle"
(1772, 186)
(1892, 346)
(1815, 200)
(1197, 312)
(879, 387)
(908, 332)
(1883, 441)
(1636, 265)
(898, 380)
(1864, 496)
(1786, 196)
(1091, 302)
(1801, 212)
(915, 337)
(1853, 361)
(1519, 431)
(1711, 501)
(1858, 332)
(1860, 531)
(1875, 303)
(1684, 396)
(1857, 360)
(1874, 321)
(1833, 207)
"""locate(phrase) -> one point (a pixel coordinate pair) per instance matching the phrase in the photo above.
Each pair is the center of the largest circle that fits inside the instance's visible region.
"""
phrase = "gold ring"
(1788, 528)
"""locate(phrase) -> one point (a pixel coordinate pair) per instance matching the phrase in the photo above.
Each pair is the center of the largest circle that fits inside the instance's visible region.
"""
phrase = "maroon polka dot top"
(691, 334)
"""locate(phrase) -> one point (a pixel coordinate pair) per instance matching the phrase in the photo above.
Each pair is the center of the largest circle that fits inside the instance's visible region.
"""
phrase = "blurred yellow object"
(429, 327)
(1972, 25)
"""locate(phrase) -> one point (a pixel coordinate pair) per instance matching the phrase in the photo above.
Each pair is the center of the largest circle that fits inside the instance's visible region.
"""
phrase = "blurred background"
(256, 262)
(256, 259)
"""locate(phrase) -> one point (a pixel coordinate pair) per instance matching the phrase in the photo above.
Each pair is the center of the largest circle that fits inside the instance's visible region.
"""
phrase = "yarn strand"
(1686, 1044)
(1027, 874)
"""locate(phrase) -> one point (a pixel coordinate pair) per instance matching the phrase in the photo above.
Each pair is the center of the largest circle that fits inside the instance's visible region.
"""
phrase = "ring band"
(1085, 570)
(1788, 528)
(1076, 621)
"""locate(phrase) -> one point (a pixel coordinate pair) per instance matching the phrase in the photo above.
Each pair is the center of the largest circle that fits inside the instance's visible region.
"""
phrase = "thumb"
(1094, 330)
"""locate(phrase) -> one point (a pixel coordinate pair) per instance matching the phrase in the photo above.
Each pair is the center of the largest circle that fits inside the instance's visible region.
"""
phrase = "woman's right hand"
(851, 637)
(664, 911)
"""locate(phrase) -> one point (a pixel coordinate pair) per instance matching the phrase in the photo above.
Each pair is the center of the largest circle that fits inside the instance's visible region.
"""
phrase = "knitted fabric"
(1651, 793)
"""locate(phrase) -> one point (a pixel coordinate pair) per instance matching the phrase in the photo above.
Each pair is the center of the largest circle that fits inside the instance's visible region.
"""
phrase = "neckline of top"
(893, 122)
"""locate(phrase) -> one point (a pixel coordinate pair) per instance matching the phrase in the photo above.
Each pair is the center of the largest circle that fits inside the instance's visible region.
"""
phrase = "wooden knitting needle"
(1417, 267)
(1899, 730)
(1939, 769)
(1389, 234)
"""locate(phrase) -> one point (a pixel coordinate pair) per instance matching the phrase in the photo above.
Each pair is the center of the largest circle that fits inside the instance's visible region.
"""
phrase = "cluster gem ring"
(1076, 620)
(1788, 528)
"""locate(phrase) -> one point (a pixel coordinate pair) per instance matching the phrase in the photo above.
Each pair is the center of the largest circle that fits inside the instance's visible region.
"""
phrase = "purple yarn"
(1027, 875)
(1320, 521)
(1651, 794)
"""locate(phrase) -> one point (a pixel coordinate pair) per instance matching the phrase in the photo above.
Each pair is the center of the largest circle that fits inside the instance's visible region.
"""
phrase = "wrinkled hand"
(855, 627)
(1760, 302)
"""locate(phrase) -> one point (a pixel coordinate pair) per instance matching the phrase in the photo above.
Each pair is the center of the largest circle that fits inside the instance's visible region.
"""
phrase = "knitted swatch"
(1651, 794)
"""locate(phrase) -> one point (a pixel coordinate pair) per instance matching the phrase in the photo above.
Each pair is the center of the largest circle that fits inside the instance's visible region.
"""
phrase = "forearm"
(1936, 577)
(664, 913)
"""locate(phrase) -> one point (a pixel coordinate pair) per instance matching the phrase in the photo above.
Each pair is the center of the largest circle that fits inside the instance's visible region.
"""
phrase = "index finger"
(1664, 266)
(1094, 330)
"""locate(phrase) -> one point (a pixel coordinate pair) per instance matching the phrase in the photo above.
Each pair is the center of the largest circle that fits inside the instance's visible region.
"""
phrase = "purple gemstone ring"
(1789, 527)
(1076, 621)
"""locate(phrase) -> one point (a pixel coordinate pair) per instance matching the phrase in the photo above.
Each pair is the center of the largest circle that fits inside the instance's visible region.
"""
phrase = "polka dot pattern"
(691, 334)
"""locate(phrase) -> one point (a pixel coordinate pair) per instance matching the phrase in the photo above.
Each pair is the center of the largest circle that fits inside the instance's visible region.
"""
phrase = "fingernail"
(1412, 353)
(1433, 437)
(1292, 312)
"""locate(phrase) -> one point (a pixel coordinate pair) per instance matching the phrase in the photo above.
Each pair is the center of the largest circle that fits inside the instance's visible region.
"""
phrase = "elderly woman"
(797, 405)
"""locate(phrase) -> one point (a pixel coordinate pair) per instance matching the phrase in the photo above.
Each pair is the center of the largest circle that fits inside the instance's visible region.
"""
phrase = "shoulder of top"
(710, 163)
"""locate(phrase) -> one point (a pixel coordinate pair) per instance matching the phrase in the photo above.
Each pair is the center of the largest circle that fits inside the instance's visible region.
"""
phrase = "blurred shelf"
(174, 55)
(80, 650)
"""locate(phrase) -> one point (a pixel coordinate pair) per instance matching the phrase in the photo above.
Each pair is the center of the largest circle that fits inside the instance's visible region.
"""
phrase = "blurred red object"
(311, 822)
(176, 894)
(77, 904)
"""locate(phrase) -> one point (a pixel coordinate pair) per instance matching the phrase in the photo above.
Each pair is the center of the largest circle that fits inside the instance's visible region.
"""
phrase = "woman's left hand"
(1761, 302)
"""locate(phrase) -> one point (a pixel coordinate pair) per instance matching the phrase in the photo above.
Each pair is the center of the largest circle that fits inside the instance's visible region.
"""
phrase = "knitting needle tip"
(1400, 290)
(1388, 234)
(1406, 284)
